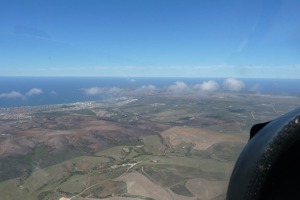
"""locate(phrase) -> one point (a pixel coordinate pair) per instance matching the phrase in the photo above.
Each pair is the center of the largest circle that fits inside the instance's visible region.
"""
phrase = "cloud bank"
(233, 84)
(93, 90)
(207, 86)
(146, 89)
(53, 92)
(230, 84)
(12, 94)
(114, 91)
(34, 91)
(255, 88)
(178, 86)
(102, 90)
(15, 94)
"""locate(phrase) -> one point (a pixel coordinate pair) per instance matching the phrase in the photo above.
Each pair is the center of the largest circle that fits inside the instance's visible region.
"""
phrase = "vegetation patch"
(205, 189)
(106, 189)
(228, 151)
(75, 184)
(164, 176)
(181, 189)
(153, 145)
(12, 190)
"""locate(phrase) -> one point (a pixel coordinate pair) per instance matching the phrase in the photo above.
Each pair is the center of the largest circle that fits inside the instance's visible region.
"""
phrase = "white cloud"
(34, 91)
(15, 94)
(114, 91)
(207, 86)
(233, 84)
(146, 89)
(53, 92)
(255, 88)
(93, 90)
(178, 86)
(102, 90)
(12, 94)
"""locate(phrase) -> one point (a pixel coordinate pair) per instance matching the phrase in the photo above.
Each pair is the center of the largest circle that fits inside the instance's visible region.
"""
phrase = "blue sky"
(156, 38)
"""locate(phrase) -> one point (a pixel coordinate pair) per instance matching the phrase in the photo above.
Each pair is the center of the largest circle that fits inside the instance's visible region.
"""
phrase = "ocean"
(15, 91)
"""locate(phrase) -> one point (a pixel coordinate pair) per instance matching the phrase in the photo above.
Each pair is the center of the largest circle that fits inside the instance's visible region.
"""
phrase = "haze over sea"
(32, 91)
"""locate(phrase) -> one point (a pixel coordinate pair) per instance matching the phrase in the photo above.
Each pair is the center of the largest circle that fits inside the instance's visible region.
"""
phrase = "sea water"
(60, 90)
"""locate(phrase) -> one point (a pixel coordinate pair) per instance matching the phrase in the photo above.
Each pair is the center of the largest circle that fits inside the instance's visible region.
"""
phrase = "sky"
(150, 38)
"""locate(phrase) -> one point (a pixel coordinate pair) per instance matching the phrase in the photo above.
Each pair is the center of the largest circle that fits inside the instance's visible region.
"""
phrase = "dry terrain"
(163, 147)
(201, 138)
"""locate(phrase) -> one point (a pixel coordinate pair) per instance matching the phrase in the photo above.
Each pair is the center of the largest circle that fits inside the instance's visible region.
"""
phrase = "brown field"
(138, 184)
(55, 173)
(114, 198)
(202, 138)
(180, 197)
(206, 190)
(95, 133)
(120, 198)
(111, 198)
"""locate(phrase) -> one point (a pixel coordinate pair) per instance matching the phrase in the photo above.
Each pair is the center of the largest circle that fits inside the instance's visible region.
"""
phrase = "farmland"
(166, 146)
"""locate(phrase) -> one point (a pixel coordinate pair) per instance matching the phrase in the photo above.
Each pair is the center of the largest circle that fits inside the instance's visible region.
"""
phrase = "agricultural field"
(163, 147)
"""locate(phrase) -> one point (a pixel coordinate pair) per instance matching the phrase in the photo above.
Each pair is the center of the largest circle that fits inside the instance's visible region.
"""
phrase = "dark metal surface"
(270, 149)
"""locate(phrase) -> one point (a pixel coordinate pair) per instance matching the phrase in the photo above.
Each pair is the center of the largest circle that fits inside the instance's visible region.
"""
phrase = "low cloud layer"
(233, 84)
(34, 91)
(53, 92)
(207, 86)
(230, 84)
(178, 86)
(12, 94)
(93, 90)
(15, 94)
(146, 89)
(102, 90)
(114, 91)
(255, 88)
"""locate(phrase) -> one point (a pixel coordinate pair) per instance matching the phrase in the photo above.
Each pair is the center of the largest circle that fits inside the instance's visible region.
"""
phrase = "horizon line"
(185, 77)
